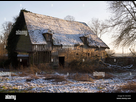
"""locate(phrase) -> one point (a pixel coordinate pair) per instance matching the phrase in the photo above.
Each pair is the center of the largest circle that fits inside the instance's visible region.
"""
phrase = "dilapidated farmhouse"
(57, 41)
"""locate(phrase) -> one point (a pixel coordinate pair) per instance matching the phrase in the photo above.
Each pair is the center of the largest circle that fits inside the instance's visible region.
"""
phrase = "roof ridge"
(54, 17)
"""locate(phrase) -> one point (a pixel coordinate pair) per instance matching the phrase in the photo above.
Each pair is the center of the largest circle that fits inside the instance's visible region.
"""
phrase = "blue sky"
(83, 11)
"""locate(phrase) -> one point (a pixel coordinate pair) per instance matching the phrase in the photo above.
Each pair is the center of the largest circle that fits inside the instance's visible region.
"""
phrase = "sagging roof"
(64, 32)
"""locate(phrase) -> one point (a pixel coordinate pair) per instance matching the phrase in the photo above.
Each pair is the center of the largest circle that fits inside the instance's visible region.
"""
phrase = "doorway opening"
(61, 61)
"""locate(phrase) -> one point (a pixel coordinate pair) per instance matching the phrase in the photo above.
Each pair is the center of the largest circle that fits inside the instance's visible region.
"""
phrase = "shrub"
(32, 69)
(80, 66)
(44, 67)
(131, 86)
(56, 78)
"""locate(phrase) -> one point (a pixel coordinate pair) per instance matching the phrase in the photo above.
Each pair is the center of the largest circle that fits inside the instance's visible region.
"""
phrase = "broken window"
(84, 39)
(48, 37)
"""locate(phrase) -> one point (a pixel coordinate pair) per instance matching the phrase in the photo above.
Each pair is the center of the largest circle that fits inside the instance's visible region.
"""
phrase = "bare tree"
(123, 21)
(69, 18)
(6, 29)
(6, 26)
(132, 50)
(97, 26)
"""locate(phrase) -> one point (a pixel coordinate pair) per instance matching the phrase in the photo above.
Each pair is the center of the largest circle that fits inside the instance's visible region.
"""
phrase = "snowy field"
(40, 84)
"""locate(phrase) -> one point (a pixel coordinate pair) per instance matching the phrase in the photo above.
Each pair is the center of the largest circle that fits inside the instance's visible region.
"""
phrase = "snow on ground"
(42, 85)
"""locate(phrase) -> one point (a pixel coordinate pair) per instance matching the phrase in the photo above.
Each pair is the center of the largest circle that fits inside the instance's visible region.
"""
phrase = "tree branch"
(134, 3)
(129, 11)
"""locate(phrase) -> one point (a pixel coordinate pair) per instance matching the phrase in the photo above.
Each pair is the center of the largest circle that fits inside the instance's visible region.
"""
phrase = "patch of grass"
(13, 74)
(32, 69)
(129, 86)
(32, 77)
(23, 74)
(3, 87)
(98, 77)
(134, 77)
(99, 87)
(45, 67)
(79, 77)
(60, 69)
(88, 66)
(56, 78)
(13, 91)
(80, 66)
(102, 68)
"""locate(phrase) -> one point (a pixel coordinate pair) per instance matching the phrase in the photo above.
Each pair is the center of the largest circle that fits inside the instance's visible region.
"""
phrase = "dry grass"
(79, 77)
(129, 86)
(134, 77)
(32, 77)
(23, 74)
(60, 69)
(13, 74)
(84, 67)
(32, 69)
(76, 63)
(56, 78)
(45, 67)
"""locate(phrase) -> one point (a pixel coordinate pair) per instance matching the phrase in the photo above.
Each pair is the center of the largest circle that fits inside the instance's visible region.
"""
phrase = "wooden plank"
(44, 57)
(38, 57)
(50, 57)
(47, 56)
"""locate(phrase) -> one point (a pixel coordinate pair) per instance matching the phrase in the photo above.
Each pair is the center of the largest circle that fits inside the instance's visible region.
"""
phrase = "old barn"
(57, 41)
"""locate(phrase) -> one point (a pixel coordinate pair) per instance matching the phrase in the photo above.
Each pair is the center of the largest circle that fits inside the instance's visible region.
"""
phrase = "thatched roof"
(64, 32)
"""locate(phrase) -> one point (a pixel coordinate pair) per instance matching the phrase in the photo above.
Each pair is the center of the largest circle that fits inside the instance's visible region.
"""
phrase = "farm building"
(48, 39)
